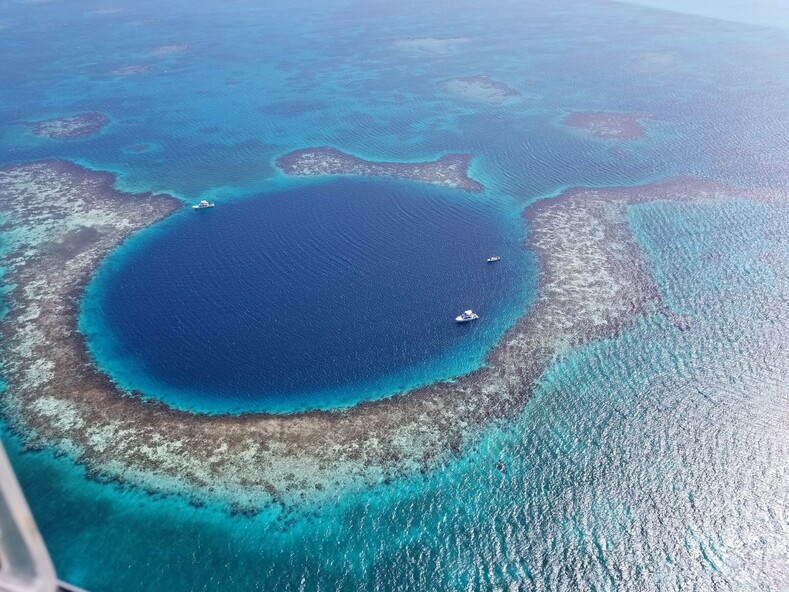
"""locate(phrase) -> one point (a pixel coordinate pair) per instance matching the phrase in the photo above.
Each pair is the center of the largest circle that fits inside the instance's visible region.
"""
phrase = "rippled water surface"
(316, 296)
(654, 460)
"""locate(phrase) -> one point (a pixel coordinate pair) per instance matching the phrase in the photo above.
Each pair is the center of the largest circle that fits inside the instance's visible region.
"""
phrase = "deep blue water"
(314, 296)
(652, 461)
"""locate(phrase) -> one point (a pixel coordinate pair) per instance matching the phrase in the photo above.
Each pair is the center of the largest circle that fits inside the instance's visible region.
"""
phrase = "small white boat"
(466, 316)
(204, 204)
(493, 259)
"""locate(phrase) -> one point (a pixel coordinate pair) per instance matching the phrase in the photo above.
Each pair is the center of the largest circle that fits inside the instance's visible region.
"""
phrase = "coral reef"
(449, 170)
(68, 128)
(132, 70)
(429, 45)
(170, 49)
(63, 220)
(608, 126)
(478, 88)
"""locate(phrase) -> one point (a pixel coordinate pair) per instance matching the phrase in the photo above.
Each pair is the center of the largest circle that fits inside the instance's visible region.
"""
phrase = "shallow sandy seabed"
(62, 221)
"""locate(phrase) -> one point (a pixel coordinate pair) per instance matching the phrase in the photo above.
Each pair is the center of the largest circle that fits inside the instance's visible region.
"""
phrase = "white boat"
(204, 204)
(466, 316)
(493, 259)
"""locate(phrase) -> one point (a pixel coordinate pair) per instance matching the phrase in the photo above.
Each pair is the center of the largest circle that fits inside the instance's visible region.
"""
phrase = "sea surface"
(766, 13)
(316, 296)
(655, 460)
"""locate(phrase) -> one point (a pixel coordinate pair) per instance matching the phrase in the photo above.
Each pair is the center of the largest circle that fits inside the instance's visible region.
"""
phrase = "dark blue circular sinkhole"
(315, 296)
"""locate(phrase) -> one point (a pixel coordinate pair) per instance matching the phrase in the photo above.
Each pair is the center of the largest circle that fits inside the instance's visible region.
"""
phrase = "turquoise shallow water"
(576, 500)
(653, 461)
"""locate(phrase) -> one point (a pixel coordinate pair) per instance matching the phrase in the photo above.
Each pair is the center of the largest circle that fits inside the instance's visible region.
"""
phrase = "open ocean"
(655, 460)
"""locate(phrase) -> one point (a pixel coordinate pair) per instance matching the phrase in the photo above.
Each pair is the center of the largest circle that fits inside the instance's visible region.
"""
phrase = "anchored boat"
(204, 204)
(493, 259)
(466, 316)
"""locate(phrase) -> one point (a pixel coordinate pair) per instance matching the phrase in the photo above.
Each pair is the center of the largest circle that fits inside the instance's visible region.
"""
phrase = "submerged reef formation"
(132, 70)
(169, 49)
(449, 171)
(478, 88)
(63, 220)
(137, 149)
(429, 45)
(142, 148)
(68, 128)
(655, 62)
(609, 126)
